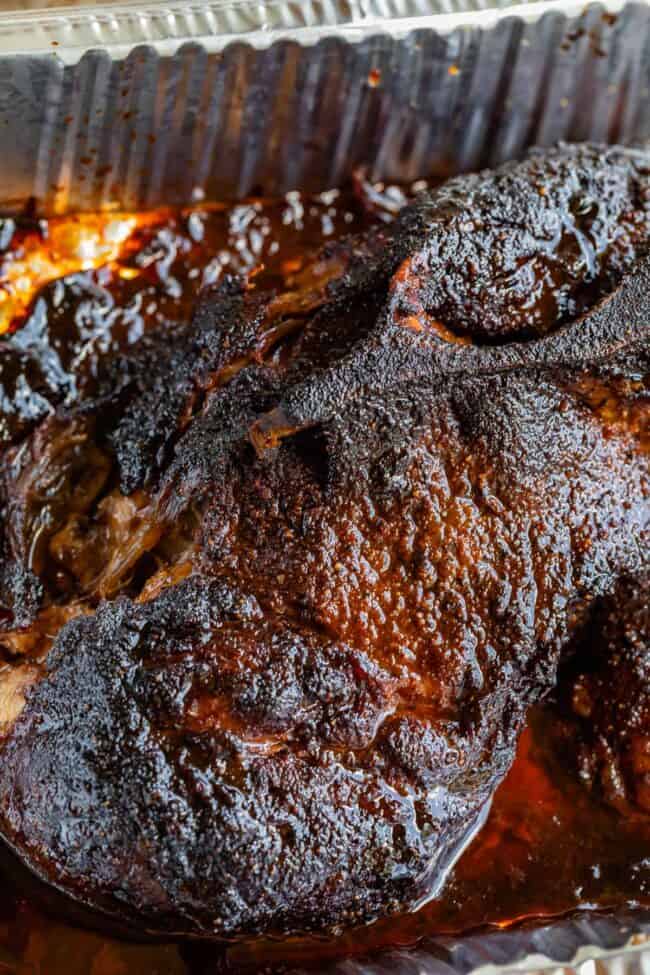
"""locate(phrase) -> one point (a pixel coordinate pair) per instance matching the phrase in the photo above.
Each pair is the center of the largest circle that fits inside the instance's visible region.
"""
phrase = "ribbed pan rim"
(68, 32)
(619, 942)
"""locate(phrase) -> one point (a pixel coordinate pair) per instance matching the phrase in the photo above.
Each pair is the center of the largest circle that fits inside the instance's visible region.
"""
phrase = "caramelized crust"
(329, 546)
(514, 253)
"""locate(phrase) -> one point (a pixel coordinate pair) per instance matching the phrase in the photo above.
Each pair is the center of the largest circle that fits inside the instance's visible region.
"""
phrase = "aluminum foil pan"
(136, 124)
(587, 944)
(132, 105)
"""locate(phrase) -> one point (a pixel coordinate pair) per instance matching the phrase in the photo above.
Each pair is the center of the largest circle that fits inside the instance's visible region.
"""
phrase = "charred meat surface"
(306, 565)
(516, 252)
(608, 694)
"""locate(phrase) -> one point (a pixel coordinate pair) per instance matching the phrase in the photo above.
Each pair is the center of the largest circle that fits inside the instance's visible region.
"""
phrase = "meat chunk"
(490, 257)
(369, 517)
(607, 691)
(516, 252)
(20, 594)
(221, 771)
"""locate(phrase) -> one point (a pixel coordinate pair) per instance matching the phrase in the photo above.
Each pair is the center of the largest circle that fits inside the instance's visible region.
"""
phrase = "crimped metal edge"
(69, 32)
(588, 943)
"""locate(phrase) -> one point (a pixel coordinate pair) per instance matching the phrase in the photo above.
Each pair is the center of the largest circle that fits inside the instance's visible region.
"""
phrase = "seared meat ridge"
(385, 503)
